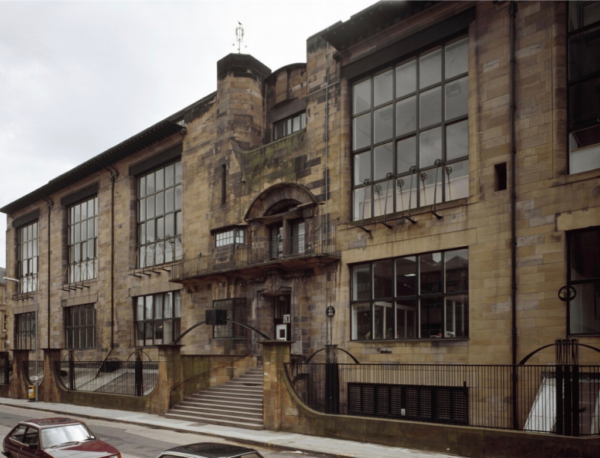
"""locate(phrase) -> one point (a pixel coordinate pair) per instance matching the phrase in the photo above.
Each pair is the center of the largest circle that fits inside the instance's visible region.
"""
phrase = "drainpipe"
(49, 204)
(328, 326)
(113, 177)
(513, 210)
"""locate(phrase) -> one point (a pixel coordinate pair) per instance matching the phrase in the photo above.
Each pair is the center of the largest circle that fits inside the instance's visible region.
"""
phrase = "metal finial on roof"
(239, 37)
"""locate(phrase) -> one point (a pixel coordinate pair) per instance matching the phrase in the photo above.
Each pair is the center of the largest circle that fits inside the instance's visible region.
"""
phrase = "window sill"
(400, 216)
(23, 296)
(577, 177)
(156, 269)
(79, 284)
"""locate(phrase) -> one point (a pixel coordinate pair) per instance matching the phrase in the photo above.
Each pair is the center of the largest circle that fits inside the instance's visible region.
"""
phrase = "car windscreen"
(51, 437)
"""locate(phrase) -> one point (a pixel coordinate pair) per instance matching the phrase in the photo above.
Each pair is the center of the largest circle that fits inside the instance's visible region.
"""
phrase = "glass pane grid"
(80, 326)
(157, 318)
(159, 216)
(27, 255)
(82, 241)
(420, 115)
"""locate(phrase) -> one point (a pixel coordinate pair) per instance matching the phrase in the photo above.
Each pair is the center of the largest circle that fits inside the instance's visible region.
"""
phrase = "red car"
(55, 438)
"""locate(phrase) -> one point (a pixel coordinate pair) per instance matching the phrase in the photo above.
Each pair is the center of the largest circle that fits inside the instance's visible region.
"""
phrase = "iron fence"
(34, 372)
(320, 242)
(128, 378)
(5, 368)
(473, 395)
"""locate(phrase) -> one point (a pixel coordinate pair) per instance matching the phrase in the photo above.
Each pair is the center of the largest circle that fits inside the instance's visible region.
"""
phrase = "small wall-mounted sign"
(287, 319)
(330, 311)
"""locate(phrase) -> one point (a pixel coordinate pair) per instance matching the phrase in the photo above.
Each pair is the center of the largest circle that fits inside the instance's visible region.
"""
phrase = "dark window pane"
(457, 98)
(431, 107)
(362, 167)
(407, 154)
(406, 116)
(383, 278)
(384, 123)
(457, 140)
(406, 319)
(584, 103)
(361, 282)
(362, 97)
(384, 161)
(406, 78)
(361, 131)
(432, 315)
(406, 276)
(584, 49)
(384, 320)
(457, 270)
(431, 273)
(585, 254)
(430, 147)
(430, 68)
(383, 87)
(457, 55)
(361, 322)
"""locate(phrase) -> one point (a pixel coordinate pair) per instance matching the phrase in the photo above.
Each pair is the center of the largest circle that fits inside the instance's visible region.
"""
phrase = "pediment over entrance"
(284, 194)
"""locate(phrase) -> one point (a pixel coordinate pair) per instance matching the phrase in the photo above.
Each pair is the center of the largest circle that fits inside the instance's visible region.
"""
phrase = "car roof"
(210, 450)
(51, 422)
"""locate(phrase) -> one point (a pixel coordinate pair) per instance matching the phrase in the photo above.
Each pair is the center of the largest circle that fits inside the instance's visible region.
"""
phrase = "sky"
(78, 77)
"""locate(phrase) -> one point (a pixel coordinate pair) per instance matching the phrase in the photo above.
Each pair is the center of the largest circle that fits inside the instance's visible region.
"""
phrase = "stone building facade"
(376, 178)
(3, 311)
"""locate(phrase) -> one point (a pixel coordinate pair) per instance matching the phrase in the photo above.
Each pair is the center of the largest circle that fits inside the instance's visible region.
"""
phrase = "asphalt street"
(131, 440)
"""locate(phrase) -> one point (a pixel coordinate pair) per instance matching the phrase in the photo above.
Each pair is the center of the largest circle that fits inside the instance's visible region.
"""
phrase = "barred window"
(159, 216)
(27, 255)
(25, 331)
(80, 326)
(158, 318)
(289, 125)
(414, 297)
(230, 237)
(410, 133)
(584, 85)
(236, 310)
(83, 240)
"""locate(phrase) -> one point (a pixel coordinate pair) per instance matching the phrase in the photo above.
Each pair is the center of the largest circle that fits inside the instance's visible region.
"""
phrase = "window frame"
(575, 283)
(28, 282)
(142, 204)
(236, 310)
(237, 237)
(398, 302)
(442, 184)
(301, 115)
(150, 322)
(585, 125)
(25, 331)
(86, 332)
(77, 266)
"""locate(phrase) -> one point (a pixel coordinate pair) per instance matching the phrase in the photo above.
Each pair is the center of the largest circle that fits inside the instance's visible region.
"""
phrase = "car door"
(14, 442)
(31, 444)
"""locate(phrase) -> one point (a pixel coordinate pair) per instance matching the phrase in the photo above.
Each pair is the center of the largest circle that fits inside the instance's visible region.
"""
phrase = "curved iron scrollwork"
(567, 293)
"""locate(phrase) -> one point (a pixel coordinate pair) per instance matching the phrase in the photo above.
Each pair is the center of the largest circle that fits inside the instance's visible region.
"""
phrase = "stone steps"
(238, 403)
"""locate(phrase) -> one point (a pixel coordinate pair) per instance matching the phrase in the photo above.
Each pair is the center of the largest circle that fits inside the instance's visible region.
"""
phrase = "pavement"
(268, 439)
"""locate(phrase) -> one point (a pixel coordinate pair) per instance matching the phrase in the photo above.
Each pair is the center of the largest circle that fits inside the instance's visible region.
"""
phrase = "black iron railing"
(128, 378)
(321, 242)
(34, 372)
(473, 395)
(5, 368)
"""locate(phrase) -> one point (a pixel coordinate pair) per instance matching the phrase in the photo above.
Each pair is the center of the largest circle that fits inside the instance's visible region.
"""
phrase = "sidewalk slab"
(267, 439)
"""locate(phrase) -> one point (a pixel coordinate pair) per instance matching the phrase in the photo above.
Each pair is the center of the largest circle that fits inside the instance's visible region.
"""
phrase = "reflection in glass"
(361, 131)
(406, 192)
(431, 273)
(585, 254)
(406, 276)
(383, 87)
(457, 179)
(457, 58)
(362, 203)
(406, 78)
(406, 116)
(584, 310)
(407, 154)
(384, 161)
(383, 198)
(430, 187)
(457, 98)
(457, 270)
(384, 320)
(457, 316)
(361, 97)
(432, 315)
(431, 107)
(406, 319)
(457, 140)
(430, 68)
(362, 167)
(361, 321)
(430, 147)
(384, 123)
(383, 278)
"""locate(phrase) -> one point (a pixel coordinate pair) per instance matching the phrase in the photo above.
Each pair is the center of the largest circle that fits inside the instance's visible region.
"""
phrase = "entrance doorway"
(282, 317)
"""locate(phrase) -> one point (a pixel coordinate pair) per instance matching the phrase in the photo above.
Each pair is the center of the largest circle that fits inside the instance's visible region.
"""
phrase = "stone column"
(275, 355)
(18, 386)
(170, 373)
(49, 391)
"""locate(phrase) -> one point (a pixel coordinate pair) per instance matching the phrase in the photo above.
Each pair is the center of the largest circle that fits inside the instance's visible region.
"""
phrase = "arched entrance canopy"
(288, 193)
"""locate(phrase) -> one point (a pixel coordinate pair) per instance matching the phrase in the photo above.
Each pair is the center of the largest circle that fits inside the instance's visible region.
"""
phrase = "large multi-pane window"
(83, 240)
(410, 133)
(229, 237)
(159, 216)
(80, 326)
(236, 310)
(25, 331)
(583, 275)
(27, 254)
(413, 297)
(584, 86)
(157, 318)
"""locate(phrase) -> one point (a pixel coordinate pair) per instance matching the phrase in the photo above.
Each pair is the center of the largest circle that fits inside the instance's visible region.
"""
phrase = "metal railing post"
(71, 369)
(139, 374)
